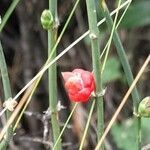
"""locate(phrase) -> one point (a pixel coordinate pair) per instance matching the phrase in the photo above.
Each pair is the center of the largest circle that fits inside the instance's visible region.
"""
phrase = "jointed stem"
(52, 74)
(94, 36)
(125, 64)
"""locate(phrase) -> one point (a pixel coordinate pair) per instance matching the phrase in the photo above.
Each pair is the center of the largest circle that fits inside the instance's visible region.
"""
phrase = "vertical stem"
(94, 36)
(65, 125)
(4, 73)
(7, 93)
(126, 67)
(52, 74)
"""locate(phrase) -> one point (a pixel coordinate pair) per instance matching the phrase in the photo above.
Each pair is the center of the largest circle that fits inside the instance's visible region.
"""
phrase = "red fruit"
(79, 84)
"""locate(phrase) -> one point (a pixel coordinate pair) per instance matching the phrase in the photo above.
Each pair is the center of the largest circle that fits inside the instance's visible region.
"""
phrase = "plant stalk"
(7, 95)
(125, 65)
(94, 37)
(65, 125)
(52, 74)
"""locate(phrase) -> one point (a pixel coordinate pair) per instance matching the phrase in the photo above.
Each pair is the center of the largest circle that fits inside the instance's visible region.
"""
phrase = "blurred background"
(25, 47)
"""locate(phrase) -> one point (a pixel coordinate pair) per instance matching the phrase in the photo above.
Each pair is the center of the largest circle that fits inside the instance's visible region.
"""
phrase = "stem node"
(93, 36)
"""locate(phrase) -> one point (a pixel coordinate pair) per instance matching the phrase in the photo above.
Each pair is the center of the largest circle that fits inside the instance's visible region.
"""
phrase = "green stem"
(94, 36)
(65, 125)
(65, 26)
(125, 64)
(7, 93)
(110, 38)
(87, 125)
(118, 23)
(52, 74)
(8, 13)
(4, 73)
(124, 12)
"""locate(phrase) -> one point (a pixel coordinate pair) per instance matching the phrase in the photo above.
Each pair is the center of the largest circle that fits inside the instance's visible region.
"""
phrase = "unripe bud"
(144, 107)
(47, 19)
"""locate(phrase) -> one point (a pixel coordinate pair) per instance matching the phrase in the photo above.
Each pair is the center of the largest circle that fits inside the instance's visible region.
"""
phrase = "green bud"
(144, 107)
(47, 19)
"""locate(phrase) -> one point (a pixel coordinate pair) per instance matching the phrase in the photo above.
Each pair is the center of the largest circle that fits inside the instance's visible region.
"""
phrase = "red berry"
(79, 84)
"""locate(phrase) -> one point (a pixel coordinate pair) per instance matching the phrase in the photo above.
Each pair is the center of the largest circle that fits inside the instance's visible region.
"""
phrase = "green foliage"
(137, 15)
(111, 71)
(124, 134)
